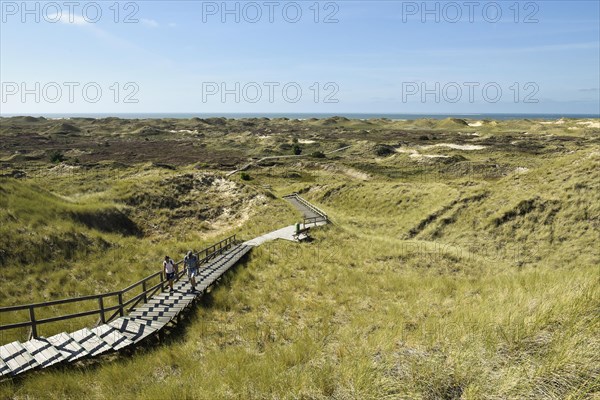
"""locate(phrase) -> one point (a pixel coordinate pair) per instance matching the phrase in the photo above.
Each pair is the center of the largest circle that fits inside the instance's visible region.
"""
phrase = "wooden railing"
(322, 216)
(313, 220)
(150, 285)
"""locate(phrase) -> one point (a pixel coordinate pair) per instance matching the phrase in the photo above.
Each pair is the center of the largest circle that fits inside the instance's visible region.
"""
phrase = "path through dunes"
(148, 319)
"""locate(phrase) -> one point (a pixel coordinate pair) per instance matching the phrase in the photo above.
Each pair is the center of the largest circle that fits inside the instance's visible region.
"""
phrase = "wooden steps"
(4, 369)
(156, 324)
(132, 329)
(112, 336)
(16, 357)
(92, 344)
(142, 322)
(44, 352)
(68, 347)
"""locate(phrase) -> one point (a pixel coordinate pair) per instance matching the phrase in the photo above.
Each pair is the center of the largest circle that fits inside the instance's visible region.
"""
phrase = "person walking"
(191, 264)
(170, 272)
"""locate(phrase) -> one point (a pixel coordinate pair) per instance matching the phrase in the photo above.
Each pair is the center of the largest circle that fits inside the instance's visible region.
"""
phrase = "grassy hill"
(449, 271)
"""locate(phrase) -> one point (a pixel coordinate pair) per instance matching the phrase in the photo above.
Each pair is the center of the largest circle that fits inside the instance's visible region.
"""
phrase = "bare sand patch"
(557, 122)
(412, 153)
(421, 156)
(467, 147)
(236, 218)
(183, 131)
(590, 124)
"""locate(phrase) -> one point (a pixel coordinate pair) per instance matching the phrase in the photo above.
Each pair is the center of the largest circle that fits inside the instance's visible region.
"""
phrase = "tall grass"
(468, 288)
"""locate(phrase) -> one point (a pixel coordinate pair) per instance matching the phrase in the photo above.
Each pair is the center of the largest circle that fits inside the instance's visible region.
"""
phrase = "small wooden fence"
(125, 299)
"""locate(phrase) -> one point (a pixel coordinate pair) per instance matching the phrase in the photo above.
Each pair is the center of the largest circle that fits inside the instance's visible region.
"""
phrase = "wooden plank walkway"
(70, 349)
(303, 208)
(17, 358)
(286, 233)
(142, 321)
(313, 217)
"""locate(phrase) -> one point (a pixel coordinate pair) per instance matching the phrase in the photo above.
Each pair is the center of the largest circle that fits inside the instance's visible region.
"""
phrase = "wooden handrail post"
(33, 324)
(101, 304)
(162, 282)
(121, 312)
(144, 289)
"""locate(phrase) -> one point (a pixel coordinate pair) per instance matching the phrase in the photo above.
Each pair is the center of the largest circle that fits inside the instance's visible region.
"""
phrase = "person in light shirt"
(170, 271)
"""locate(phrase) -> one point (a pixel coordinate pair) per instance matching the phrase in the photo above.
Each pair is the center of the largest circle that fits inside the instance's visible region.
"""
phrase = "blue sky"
(354, 56)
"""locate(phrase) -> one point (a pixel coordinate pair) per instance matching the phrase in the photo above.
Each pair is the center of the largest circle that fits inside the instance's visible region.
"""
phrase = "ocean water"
(309, 115)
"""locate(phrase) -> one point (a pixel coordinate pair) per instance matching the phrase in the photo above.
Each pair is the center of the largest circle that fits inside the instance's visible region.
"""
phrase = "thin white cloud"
(149, 22)
(107, 37)
(93, 28)
(68, 18)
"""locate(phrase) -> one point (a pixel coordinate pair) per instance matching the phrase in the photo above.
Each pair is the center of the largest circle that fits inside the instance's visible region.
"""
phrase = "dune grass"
(321, 321)
(434, 281)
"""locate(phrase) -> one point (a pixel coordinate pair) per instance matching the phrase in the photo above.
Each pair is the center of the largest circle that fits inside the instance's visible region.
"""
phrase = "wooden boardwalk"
(312, 217)
(146, 319)
(308, 210)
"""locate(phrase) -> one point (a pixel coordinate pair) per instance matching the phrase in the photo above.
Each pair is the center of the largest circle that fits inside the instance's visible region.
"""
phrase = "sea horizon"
(391, 116)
